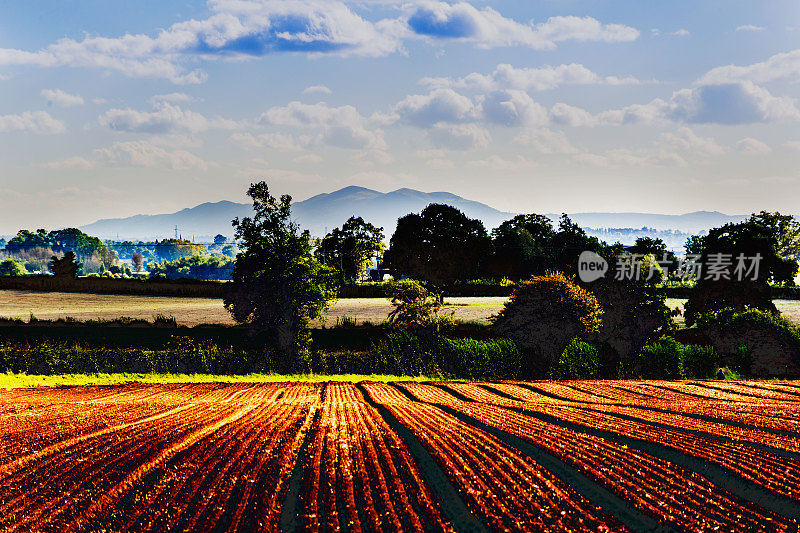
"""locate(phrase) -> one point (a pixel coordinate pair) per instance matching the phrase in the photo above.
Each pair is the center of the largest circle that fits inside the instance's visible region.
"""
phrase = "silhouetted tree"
(65, 267)
(727, 254)
(569, 242)
(522, 247)
(220, 239)
(278, 285)
(440, 246)
(350, 249)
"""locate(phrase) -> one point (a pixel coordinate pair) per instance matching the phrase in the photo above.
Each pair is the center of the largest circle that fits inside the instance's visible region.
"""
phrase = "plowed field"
(405, 456)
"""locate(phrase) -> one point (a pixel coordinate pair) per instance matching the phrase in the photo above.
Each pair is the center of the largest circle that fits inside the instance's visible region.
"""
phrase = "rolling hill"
(323, 212)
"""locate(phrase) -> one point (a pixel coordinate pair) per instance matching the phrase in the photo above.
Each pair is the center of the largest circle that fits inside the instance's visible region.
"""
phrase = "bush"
(423, 353)
(580, 360)
(669, 359)
(413, 305)
(181, 355)
(754, 342)
(543, 315)
(9, 267)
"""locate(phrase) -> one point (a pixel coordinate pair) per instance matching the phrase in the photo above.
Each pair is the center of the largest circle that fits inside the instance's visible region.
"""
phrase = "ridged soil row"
(676, 496)
(504, 488)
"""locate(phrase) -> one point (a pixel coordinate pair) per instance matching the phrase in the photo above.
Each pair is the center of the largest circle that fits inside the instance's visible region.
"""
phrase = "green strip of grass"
(13, 381)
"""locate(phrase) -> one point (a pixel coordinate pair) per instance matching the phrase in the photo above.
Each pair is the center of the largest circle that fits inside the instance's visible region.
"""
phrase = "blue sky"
(115, 108)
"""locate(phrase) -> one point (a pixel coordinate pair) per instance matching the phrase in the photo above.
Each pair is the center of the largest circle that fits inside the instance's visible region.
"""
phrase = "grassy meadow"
(194, 311)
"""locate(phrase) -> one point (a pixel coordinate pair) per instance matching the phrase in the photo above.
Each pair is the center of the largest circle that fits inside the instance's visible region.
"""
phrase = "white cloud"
(78, 163)
(165, 118)
(458, 136)
(317, 89)
(784, 66)
(686, 141)
(32, 122)
(237, 29)
(513, 108)
(749, 27)
(724, 103)
(487, 28)
(750, 146)
(247, 29)
(440, 105)
(145, 154)
(506, 76)
(342, 127)
(546, 141)
(681, 33)
(568, 115)
(61, 98)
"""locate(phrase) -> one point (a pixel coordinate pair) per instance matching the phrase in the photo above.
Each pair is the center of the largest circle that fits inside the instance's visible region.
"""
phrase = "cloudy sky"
(112, 108)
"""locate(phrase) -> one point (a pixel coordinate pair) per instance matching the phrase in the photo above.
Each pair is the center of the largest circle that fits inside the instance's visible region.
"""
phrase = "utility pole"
(176, 231)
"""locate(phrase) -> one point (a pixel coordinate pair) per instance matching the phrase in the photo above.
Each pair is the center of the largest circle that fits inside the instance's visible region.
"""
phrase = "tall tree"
(65, 267)
(522, 247)
(440, 246)
(278, 285)
(737, 263)
(350, 249)
(569, 242)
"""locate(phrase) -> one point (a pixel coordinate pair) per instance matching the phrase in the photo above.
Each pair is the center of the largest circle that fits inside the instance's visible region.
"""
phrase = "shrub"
(413, 304)
(9, 267)
(580, 360)
(543, 315)
(422, 353)
(661, 359)
(754, 342)
(669, 359)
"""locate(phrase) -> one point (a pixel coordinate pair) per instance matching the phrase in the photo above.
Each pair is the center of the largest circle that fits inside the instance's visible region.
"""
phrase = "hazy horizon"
(111, 109)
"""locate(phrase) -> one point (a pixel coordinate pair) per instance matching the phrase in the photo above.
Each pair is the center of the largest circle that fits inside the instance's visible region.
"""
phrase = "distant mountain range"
(323, 212)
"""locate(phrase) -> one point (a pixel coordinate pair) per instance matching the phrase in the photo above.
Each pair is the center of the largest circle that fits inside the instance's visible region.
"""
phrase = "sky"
(111, 108)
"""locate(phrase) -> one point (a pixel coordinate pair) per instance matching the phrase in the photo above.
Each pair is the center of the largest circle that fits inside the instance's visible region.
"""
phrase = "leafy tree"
(656, 248)
(785, 229)
(543, 315)
(413, 305)
(634, 310)
(138, 261)
(28, 239)
(723, 288)
(569, 242)
(73, 239)
(350, 249)
(694, 245)
(522, 247)
(220, 239)
(229, 250)
(440, 246)
(195, 267)
(65, 267)
(171, 249)
(59, 241)
(278, 285)
(9, 267)
(2, 243)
